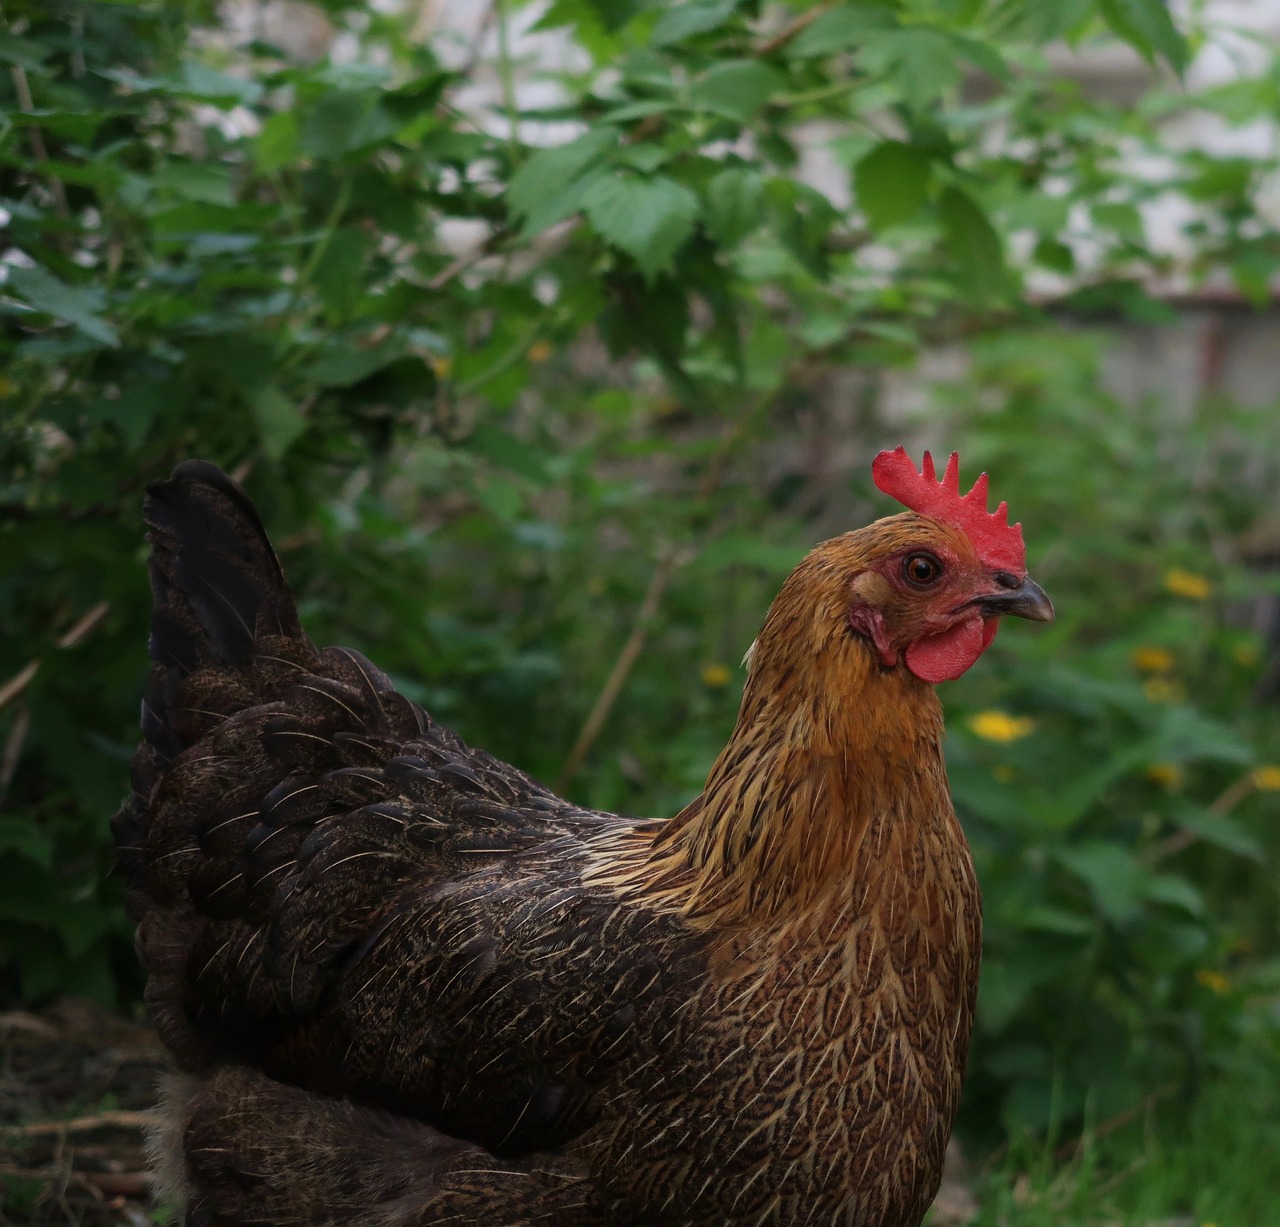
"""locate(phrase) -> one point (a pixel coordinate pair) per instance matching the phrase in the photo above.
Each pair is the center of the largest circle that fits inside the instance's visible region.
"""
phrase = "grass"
(1211, 1162)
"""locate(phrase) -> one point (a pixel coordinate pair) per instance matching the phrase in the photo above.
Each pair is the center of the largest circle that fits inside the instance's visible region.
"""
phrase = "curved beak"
(1020, 599)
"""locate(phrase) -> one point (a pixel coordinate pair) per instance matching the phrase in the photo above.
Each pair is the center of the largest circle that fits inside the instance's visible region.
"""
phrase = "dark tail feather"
(216, 581)
(217, 592)
(216, 584)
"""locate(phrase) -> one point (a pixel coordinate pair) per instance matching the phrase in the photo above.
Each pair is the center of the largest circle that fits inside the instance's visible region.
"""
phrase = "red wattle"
(945, 656)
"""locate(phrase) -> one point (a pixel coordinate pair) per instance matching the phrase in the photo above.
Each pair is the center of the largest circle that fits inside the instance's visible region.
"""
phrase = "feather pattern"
(407, 984)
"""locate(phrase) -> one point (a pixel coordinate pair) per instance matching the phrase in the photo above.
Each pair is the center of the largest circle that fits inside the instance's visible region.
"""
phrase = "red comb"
(997, 542)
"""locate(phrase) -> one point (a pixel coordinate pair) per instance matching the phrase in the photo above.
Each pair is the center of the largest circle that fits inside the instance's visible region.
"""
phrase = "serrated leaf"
(892, 183)
(76, 305)
(972, 243)
(840, 28)
(922, 63)
(683, 20)
(548, 172)
(343, 121)
(735, 204)
(1148, 28)
(737, 89)
(649, 219)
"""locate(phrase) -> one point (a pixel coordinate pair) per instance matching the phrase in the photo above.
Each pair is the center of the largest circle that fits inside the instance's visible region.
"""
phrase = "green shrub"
(487, 466)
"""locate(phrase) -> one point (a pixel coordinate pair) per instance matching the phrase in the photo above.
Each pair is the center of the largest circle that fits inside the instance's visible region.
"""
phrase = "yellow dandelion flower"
(1152, 660)
(1002, 772)
(442, 365)
(540, 351)
(1267, 778)
(1162, 690)
(1166, 775)
(1187, 583)
(1000, 726)
(7, 388)
(1214, 981)
(716, 676)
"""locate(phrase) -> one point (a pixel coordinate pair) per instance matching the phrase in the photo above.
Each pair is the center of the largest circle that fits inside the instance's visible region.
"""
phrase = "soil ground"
(76, 1087)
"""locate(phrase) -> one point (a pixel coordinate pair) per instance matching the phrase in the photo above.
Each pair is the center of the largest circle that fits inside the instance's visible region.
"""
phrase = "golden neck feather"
(829, 747)
(808, 770)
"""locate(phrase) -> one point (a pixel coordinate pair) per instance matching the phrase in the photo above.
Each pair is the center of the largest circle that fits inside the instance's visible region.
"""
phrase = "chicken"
(404, 983)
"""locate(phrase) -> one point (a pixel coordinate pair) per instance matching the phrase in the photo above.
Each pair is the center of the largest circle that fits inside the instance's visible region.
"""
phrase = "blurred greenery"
(502, 377)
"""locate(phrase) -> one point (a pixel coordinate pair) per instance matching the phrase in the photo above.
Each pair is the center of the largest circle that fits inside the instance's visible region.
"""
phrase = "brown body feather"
(409, 985)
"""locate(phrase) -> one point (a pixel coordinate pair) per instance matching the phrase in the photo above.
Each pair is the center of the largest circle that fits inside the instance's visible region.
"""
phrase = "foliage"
(479, 454)
(1211, 1159)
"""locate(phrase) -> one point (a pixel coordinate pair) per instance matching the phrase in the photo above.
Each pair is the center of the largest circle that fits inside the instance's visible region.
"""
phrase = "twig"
(22, 87)
(13, 744)
(426, 20)
(82, 626)
(1181, 840)
(118, 1184)
(622, 666)
(18, 683)
(1112, 1123)
(791, 29)
(461, 263)
(20, 1020)
(80, 1124)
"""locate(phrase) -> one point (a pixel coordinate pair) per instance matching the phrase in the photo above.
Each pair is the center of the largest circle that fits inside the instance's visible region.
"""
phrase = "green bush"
(610, 413)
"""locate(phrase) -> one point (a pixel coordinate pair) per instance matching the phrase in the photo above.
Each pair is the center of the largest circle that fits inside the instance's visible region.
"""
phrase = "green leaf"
(338, 274)
(548, 173)
(1175, 891)
(77, 305)
(922, 63)
(344, 121)
(508, 452)
(21, 836)
(649, 219)
(203, 181)
(279, 421)
(972, 244)
(892, 183)
(200, 80)
(734, 204)
(27, 53)
(839, 29)
(685, 19)
(1221, 830)
(1147, 27)
(1116, 878)
(1122, 219)
(736, 89)
(277, 144)
(1052, 254)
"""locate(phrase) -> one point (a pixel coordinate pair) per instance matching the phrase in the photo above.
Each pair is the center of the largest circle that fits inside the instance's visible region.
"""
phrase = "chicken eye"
(920, 569)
